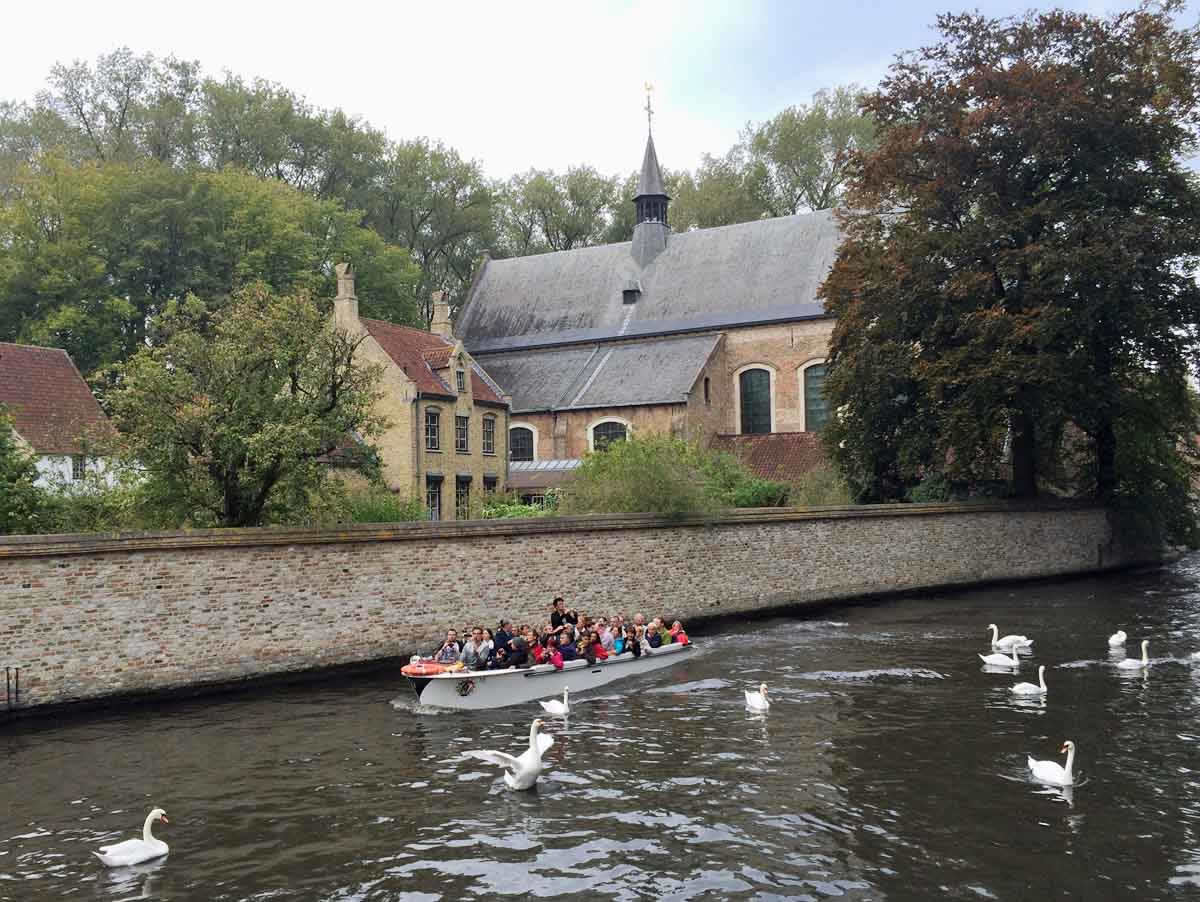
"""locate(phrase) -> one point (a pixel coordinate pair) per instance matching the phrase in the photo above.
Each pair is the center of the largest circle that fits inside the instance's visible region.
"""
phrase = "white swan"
(135, 851)
(757, 701)
(1006, 643)
(1117, 639)
(998, 660)
(522, 772)
(1052, 771)
(1038, 688)
(555, 707)
(1142, 663)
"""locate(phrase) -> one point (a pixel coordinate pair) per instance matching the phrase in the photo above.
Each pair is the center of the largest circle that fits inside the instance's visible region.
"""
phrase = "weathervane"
(649, 111)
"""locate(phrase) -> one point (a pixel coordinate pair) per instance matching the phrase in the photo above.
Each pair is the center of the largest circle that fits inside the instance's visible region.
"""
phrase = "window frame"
(462, 434)
(436, 434)
(532, 431)
(433, 496)
(800, 373)
(491, 485)
(487, 437)
(460, 380)
(591, 430)
(737, 395)
(462, 497)
(78, 467)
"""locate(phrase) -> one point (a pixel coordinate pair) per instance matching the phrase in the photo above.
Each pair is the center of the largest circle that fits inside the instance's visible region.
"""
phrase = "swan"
(1135, 663)
(1006, 643)
(522, 772)
(1117, 639)
(998, 660)
(554, 706)
(757, 701)
(1038, 688)
(135, 851)
(1052, 771)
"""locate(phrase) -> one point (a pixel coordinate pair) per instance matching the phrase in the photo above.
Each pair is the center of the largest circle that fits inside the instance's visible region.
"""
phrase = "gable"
(51, 406)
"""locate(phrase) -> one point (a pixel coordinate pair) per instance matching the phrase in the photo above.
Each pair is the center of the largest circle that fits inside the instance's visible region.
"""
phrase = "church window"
(520, 443)
(433, 496)
(433, 429)
(604, 434)
(816, 407)
(489, 435)
(754, 390)
(707, 397)
(462, 433)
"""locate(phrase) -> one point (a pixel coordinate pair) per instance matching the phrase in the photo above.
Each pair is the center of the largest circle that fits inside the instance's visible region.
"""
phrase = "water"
(891, 765)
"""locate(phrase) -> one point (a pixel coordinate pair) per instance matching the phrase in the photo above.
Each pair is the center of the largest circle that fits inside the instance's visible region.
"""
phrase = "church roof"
(650, 181)
(51, 406)
(754, 272)
(655, 371)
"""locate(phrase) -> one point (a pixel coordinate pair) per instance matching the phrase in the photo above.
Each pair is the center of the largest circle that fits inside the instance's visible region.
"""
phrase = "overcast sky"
(513, 84)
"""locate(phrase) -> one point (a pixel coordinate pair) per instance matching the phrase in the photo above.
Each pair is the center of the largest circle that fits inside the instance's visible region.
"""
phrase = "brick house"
(55, 415)
(713, 332)
(448, 439)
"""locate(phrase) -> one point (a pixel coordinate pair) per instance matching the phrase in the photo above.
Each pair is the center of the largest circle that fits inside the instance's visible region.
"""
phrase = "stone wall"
(90, 616)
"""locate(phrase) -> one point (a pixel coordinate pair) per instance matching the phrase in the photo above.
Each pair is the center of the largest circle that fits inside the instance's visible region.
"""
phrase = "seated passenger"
(503, 635)
(632, 643)
(606, 636)
(653, 634)
(474, 652)
(677, 633)
(519, 654)
(619, 645)
(566, 646)
(553, 655)
(594, 649)
(664, 634)
(448, 653)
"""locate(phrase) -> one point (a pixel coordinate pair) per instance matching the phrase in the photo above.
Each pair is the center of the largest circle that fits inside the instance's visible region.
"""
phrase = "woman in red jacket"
(594, 650)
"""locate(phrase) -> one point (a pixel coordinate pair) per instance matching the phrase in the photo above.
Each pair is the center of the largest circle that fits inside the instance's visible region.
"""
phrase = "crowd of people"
(567, 636)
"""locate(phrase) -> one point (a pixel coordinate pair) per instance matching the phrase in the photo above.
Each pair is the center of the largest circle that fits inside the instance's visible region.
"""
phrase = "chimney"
(345, 305)
(441, 324)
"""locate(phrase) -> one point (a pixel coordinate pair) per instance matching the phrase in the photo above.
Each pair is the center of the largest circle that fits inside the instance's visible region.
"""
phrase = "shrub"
(933, 488)
(649, 474)
(822, 487)
(379, 504)
(508, 507)
(758, 492)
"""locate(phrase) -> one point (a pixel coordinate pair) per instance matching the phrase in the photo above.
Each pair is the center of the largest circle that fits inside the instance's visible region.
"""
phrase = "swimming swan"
(1038, 688)
(522, 772)
(554, 706)
(1006, 643)
(135, 851)
(999, 660)
(1135, 663)
(1052, 771)
(757, 701)
(1117, 639)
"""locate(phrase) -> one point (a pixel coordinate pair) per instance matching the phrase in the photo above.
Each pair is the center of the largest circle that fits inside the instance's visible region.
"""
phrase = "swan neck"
(533, 731)
(1042, 677)
(147, 836)
(995, 634)
(1070, 759)
(1145, 653)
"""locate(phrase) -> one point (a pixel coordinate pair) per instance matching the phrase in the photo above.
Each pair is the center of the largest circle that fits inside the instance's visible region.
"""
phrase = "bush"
(651, 474)
(379, 504)
(758, 492)
(508, 507)
(822, 487)
(933, 488)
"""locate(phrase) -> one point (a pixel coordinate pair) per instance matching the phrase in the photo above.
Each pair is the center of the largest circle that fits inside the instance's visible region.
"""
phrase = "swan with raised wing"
(1038, 688)
(1052, 771)
(135, 851)
(757, 701)
(1142, 663)
(1007, 643)
(1117, 639)
(998, 660)
(557, 708)
(523, 771)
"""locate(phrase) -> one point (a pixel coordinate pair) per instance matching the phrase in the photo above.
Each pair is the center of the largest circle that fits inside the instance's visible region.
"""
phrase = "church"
(714, 335)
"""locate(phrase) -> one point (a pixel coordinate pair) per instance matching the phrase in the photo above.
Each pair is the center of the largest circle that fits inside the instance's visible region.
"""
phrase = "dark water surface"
(891, 766)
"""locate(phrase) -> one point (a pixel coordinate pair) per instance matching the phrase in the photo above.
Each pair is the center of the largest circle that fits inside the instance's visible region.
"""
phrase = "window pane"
(433, 497)
(462, 498)
(489, 435)
(462, 426)
(489, 485)
(77, 467)
(433, 430)
(461, 378)
(520, 443)
(755, 389)
(604, 434)
(816, 408)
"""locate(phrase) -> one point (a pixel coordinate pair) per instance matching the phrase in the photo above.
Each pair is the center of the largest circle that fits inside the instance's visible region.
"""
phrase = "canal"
(891, 765)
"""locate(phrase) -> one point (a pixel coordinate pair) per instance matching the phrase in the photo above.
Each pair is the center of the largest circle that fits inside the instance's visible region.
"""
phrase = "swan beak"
(163, 818)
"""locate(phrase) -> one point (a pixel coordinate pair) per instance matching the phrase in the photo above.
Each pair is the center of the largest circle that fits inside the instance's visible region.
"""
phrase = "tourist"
(449, 651)
(489, 639)
(474, 652)
(519, 656)
(619, 644)
(677, 633)
(632, 643)
(560, 617)
(653, 635)
(503, 635)
(606, 636)
(664, 634)
(594, 649)
(566, 645)
(553, 655)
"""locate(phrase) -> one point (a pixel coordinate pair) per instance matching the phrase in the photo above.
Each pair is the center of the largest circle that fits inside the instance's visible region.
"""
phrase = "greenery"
(20, 499)
(229, 414)
(508, 507)
(822, 487)
(379, 504)
(1016, 280)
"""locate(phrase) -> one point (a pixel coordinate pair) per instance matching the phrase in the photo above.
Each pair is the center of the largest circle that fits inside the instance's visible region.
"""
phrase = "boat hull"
(476, 690)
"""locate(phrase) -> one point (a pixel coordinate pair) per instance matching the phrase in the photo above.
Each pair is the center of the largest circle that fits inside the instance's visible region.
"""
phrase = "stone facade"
(86, 617)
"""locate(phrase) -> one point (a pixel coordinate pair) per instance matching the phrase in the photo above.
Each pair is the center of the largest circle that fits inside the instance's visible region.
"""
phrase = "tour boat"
(477, 689)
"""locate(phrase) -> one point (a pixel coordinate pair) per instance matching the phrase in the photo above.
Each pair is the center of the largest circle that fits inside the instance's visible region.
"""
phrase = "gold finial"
(649, 110)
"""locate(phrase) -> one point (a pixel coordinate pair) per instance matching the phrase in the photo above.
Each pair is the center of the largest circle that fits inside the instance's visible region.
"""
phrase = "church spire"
(651, 199)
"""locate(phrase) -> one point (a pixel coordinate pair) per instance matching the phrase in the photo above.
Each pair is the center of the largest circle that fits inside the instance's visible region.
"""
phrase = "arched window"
(604, 432)
(520, 443)
(812, 390)
(754, 400)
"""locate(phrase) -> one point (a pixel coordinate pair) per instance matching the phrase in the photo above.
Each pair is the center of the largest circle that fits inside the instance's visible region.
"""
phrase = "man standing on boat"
(560, 616)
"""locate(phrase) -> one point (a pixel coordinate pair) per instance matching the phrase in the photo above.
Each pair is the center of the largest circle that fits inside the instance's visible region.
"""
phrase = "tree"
(230, 413)
(21, 501)
(800, 158)
(1018, 265)
(546, 211)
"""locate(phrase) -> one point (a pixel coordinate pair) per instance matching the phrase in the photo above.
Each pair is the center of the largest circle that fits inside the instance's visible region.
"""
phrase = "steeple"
(651, 227)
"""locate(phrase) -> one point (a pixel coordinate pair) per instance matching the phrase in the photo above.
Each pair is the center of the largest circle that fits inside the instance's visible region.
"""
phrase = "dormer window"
(460, 377)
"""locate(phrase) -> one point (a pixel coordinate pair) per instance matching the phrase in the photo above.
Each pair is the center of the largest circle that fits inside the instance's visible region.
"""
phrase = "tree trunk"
(1024, 453)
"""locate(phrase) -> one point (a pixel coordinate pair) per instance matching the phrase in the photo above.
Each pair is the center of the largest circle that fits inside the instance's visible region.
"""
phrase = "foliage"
(544, 211)
(101, 502)
(933, 488)
(230, 413)
(822, 487)
(1019, 256)
(22, 503)
(378, 504)
(508, 507)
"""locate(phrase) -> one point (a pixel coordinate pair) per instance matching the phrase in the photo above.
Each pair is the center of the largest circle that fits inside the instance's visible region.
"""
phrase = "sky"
(518, 84)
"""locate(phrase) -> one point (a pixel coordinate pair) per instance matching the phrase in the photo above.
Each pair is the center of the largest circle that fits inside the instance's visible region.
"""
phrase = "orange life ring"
(422, 668)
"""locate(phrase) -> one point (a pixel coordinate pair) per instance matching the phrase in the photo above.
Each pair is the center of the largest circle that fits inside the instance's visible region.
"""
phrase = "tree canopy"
(1016, 286)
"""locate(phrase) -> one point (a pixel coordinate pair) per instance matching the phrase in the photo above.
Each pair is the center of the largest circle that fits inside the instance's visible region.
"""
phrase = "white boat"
(476, 689)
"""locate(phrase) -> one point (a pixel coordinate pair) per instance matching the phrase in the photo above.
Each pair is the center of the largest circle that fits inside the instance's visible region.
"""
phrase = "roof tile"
(52, 407)
(419, 353)
(779, 456)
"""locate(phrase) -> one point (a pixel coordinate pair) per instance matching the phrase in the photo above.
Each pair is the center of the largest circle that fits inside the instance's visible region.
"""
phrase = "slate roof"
(540, 474)
(763, 271)
(653, 371)
(413, 349)
(51, 406)
(650, 180)
(780, 456)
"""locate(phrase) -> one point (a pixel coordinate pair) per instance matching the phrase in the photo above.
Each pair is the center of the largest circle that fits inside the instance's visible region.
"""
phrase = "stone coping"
(96, 543)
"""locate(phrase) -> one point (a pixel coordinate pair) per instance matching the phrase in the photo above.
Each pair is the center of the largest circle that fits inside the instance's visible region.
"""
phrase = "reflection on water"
(891, 764)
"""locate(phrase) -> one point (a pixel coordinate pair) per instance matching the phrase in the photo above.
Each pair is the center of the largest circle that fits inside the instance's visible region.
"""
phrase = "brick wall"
(88, 616)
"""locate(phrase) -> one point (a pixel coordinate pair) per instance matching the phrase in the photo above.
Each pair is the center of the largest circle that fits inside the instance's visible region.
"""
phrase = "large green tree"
(229, 414)
(1018, 269)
